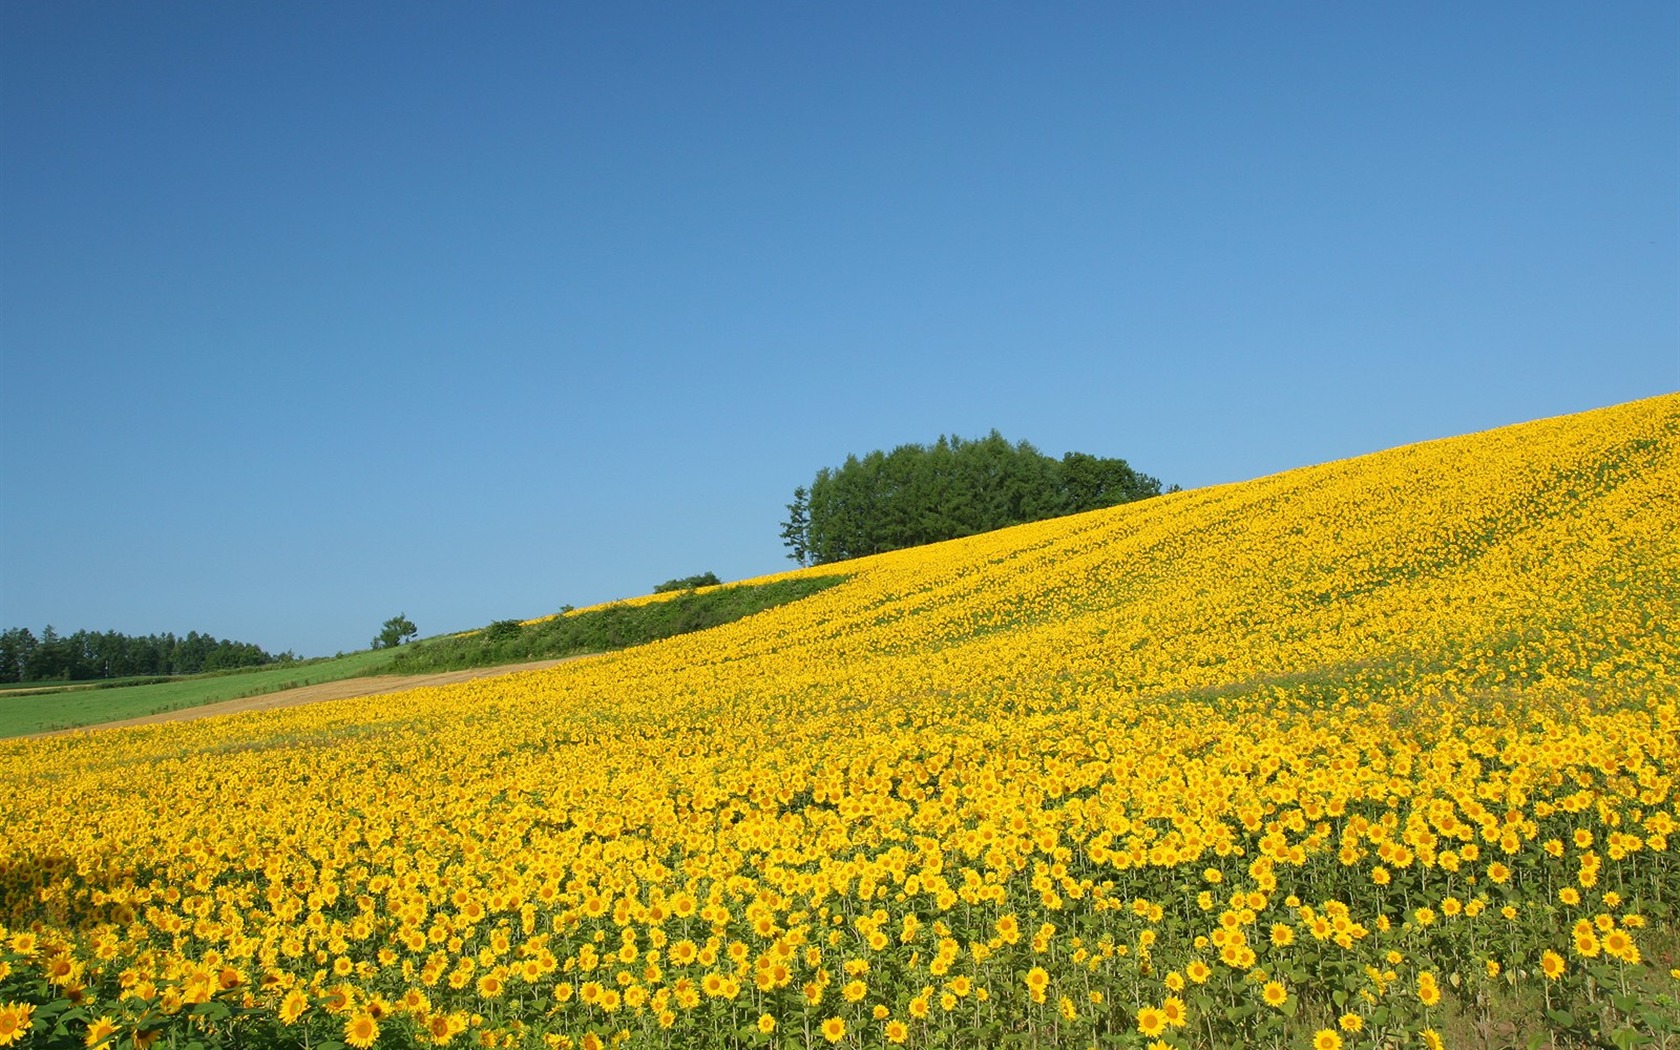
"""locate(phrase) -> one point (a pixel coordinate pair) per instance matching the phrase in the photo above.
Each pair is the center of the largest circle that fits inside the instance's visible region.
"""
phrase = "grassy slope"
(69, 708)
(593, 630)
(604, 628)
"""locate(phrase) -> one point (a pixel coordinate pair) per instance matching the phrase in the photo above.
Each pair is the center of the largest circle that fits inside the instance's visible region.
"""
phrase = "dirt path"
(372, 685)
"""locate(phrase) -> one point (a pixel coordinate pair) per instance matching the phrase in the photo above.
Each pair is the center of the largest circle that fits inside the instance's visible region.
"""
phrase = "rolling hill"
(1381, 750)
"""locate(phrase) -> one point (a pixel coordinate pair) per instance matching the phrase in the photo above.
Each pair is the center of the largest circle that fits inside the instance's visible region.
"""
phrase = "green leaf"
(212, 1010)
(1290, 1005)
(1339, 997)
(1561, 1018)
(1627, 1038)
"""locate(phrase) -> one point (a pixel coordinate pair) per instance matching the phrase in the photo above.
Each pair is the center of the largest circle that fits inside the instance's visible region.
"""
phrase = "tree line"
(90, 655)
(919, 494)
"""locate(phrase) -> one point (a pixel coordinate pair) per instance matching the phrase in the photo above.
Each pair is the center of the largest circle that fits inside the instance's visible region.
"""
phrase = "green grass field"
(38, 707)
(81, 704)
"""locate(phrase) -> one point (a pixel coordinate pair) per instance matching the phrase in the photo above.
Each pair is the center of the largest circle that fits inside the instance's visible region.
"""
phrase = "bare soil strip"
(344, 688)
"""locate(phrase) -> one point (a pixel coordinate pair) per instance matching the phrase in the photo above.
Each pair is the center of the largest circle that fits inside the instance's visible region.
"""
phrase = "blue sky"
(311, 313)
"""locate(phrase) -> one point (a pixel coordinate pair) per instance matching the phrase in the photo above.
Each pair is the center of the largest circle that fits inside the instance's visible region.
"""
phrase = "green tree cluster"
(395, 631)
(689, 583)
(90, 655)
(919, 494)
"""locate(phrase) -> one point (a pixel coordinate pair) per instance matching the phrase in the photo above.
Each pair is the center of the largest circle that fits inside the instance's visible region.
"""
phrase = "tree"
(689, 583)
(397, 630)
(920, 494)
(17, 654)
(796, 530)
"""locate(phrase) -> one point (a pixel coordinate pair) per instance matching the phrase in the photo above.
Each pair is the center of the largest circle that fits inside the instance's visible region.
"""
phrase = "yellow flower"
(1326, 1039)
(766, 1024)
(293, 1006)
(102, 1028)
(1551, 964)
(14, 1018)
(834, 1029)
(1151, 1021)
(361, 1030)
(1173, 1010)
(1429, 993)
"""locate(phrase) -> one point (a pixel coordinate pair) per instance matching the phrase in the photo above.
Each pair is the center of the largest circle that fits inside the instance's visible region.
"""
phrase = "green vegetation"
(29, 711)
(395, 631)
(601, 630)
(91, 655)
(39, 707)
(689, 583)
(919, 494)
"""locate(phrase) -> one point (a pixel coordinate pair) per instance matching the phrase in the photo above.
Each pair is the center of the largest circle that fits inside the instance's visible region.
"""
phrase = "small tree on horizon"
(796, 530)
(397, 630)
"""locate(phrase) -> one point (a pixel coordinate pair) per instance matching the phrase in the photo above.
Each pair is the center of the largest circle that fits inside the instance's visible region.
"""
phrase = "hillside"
(1379, 733)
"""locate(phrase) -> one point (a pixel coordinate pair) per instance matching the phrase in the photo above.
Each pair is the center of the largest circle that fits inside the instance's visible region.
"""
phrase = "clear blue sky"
(312, 313)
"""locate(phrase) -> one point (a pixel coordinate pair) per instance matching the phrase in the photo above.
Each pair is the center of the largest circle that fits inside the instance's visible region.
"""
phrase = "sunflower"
(100, 1030)
(1551, 964)
(1174, 1010)
(1151, 1021)
(293, 1006)
(361, 1030)
(834, 1029)
(1429, 993)
(1618, 944)
(897, 1032)
(1326, 1039)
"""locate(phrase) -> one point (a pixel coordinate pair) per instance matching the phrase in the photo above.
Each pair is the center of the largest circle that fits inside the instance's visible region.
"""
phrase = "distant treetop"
(88, 655)
(689, 583)
(919, 494)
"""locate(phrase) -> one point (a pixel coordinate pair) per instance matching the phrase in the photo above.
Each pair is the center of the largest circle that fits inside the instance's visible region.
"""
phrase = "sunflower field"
(1378, 753)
